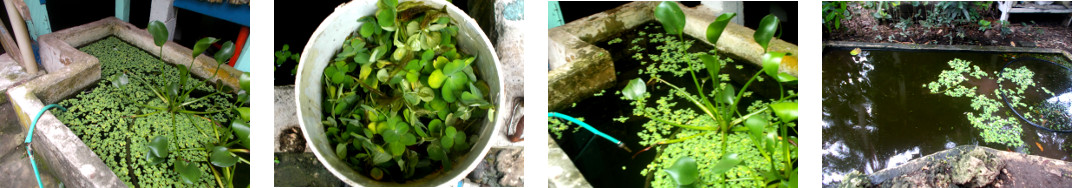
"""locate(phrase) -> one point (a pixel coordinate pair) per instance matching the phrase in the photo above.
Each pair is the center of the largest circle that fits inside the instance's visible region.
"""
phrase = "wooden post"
(23, 38)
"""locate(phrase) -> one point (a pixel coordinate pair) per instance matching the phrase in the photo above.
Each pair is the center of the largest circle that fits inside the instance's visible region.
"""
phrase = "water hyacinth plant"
(401, 100)
(693, 141)
(168, 129)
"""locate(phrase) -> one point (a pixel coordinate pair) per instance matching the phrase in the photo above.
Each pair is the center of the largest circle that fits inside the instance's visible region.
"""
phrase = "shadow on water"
(877, 115)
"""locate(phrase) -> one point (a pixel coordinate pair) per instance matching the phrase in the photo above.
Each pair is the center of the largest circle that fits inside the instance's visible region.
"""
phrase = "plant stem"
(744, 88)
(687, 96)
(239, 150)
(217, 175)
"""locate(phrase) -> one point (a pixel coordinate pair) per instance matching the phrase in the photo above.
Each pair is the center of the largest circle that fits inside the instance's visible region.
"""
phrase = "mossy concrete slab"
(71, 71)
(967, 48)
(971, 166)
(561, 171)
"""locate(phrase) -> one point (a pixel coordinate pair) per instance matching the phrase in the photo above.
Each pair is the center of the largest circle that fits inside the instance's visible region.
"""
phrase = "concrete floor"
(14, 164)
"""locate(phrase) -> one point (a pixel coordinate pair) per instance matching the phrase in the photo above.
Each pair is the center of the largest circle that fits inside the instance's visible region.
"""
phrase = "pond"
(877, 115)
(110, 117)
(603, 163)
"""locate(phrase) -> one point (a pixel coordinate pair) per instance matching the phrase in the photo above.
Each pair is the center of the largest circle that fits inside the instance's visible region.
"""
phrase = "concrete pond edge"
(70, 71)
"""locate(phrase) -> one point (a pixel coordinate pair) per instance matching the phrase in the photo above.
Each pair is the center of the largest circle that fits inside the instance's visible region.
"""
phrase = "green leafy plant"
(983, 25)
(720, 115)
(400, 100)
(285, 55)
(833, 13)
(996, 127)
(176, 97)
(881, 8)
(102, 118)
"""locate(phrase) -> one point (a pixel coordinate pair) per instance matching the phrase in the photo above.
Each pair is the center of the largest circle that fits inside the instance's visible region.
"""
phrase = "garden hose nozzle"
(590, 128)
(626, 148)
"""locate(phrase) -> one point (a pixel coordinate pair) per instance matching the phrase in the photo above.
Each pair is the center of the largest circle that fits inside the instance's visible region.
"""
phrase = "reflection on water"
(876, 115)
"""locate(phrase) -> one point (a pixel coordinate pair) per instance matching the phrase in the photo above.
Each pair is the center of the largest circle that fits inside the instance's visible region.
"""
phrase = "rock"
(511, 162)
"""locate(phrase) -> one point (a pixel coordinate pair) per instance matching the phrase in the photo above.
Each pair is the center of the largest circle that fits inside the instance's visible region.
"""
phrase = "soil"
(1050, 33)
(500, 168)
(291, 140)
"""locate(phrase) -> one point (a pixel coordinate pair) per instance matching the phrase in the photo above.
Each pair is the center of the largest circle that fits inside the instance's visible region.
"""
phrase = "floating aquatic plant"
(401, 101)
(995, 127)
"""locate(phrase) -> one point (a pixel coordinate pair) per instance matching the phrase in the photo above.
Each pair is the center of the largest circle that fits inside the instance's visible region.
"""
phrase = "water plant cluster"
(711, 141)
(400, 100)
(996, 126)
(135, 134)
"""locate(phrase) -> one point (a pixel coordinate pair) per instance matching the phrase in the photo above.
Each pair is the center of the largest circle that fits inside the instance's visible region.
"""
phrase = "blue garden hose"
(29, 137)
(590, 128)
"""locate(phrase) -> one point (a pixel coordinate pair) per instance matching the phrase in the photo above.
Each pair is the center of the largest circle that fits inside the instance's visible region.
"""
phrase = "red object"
(242, 34)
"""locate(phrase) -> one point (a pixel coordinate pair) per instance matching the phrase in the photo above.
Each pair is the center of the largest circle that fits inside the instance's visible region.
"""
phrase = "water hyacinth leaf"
(785, 77)
(436, 79)
(472, 99)
(379, 155)
(244, 81)
(159, 146)
(340, 150)
(765, 32)
(459, 143)
(396, 148)
(684, 171)
(671, 17)
(386, 18)
(786, 111)
(714, 30)
(433, 126)
(366, 70)
(793, 179)
(771, 62)
(241, 128)
(226, 52)
(383, 75)
(426, 94)
(368, 28)
(712, 64)
(244, 112)
(362, 58)
(188, 172)
(204, 43)
(756, 124)
(159, 32)
(157, 150)
(727, 96)
(635, 89)
(409, 139)
(726, 163)
(448, 138)
(222, 158)
(376, 173)
(435, 152)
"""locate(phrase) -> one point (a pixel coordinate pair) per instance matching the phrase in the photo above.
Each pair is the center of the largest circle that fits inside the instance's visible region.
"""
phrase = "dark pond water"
(601, 161)
(877, 115)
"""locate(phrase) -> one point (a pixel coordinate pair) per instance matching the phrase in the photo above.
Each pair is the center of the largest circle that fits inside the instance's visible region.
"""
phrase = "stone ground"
(969, 166)
(14, 164)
